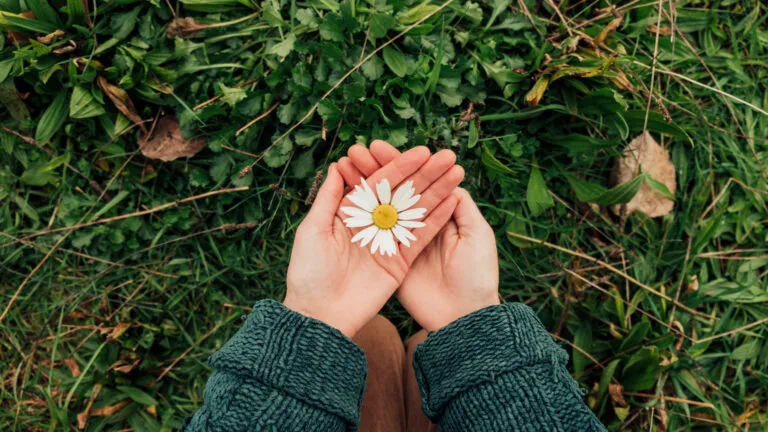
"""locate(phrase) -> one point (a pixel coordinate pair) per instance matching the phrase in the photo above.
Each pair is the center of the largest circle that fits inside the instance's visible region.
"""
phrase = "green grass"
(134, 306)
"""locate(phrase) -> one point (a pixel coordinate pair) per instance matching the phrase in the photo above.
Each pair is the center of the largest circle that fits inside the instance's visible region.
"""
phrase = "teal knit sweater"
(494, 370)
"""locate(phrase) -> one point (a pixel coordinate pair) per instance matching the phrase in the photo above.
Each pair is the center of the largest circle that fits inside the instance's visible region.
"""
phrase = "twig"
(139, 213)
(613, 269)
(734, 331)
(671, 399)
(257, 119)
(653, 66)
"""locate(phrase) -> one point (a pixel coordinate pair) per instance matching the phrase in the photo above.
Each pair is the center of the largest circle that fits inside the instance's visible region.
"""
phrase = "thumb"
(327, 201)
(467, 215)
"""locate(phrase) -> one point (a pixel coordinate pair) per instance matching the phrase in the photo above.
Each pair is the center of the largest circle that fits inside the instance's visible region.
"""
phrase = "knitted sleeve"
(283, 371)
(497, 369)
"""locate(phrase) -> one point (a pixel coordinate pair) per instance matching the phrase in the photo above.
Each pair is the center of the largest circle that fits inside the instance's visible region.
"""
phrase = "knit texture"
(497, 369)
(283, 371)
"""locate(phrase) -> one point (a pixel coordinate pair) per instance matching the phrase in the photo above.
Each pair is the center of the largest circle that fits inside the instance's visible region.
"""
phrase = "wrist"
(331, 321)
(464, 309)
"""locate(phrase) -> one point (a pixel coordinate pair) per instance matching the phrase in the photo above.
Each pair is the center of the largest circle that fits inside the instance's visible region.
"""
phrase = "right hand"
(458, 272)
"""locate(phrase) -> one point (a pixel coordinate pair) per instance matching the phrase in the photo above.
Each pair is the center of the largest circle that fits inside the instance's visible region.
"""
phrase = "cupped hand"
(343, 284)
(458, 272)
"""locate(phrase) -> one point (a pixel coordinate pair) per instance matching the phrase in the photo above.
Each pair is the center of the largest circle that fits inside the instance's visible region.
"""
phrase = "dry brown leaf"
(73, 367)
(617, 394)
(118, 330)
(109, 410)
(82, 418)
(122, 102)
(167, 143)
(664, 31)
(644, 152)
(123, 366)
(47, 39)
(609, 29)
(183, 27)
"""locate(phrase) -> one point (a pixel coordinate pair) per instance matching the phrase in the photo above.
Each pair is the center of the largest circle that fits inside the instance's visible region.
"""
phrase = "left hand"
(343, 284)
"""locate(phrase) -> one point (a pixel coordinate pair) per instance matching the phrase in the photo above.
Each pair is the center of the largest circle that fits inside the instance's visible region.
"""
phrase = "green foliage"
(138, 288)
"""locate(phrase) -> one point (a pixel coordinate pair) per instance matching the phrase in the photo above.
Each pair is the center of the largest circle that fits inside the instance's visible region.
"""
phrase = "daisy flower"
(386, 217)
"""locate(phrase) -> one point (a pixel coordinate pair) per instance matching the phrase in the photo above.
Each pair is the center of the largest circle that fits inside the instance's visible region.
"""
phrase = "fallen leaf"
(610, 28)
(166, 142)
(537, 91)
(183, 27)
(119, 330)
(73, 367)
(109, 410)
(617, 394)
(122, 102)
(82, 418)
(47, 39)
(664, 31)
(123, 366)
(646, 154)
(71, 46)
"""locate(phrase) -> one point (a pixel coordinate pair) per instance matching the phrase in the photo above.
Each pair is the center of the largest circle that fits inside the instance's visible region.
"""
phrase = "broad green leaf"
(52, 119)
(473, 135)
(43, 173)
(373, 69)
(642, 371)
(537, 195)
(493, 165)
(44, 12)
(279, 154)
(577, 143)
(232, 95)
(27, 209)
(17, 22)
(656, 123)
(659, 187)
(585, 191)
(285, 47)
(622, 193)
(75, 12)
(381, 23)
(605, 379)
(636, 336)
(138, 395)
(747, 351)
(416, 13)
(395, 60)
(83, 104)
(583, 340)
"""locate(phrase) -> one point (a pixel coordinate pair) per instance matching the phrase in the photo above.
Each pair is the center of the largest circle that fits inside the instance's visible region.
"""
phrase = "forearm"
(498, 369)
(283, 371)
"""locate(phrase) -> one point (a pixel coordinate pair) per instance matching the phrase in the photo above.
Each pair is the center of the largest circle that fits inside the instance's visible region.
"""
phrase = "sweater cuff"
(476, 349)
(300, 356)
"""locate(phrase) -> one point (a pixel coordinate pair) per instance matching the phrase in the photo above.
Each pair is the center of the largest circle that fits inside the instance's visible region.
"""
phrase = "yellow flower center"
(385, 216)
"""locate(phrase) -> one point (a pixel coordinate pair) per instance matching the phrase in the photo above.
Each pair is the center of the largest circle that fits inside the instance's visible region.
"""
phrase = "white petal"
(366, 235)
(402, 195)
(411, 224)
(384, 191)
(403, 235)
(356, 212)
(412, 214)
(369, 191)
(364, 197)
(408, 203)
(387, 244)
(376, 241)
(355, 222)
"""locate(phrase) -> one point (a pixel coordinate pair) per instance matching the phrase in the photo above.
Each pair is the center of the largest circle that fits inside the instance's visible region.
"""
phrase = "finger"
(362, 159)
(401, 168)
(433, 170)
(350, 173)
(323, 210)
(467, 215)
(441, 188)
(434, 224)
(383, 152)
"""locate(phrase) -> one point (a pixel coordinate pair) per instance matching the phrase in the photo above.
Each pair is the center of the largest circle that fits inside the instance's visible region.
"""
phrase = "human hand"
(458, 272)
(343, 284)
